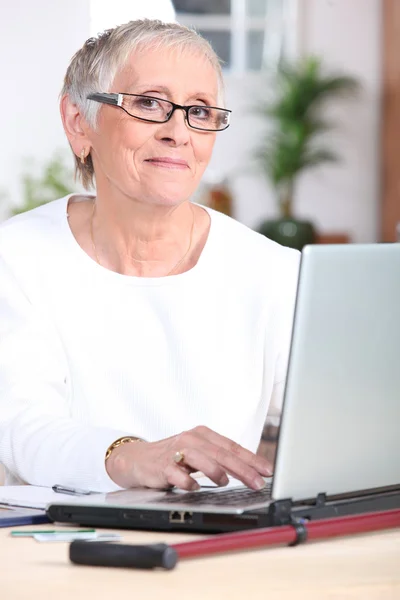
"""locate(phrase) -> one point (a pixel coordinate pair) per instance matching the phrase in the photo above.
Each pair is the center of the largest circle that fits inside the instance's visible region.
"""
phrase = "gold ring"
(179, 457)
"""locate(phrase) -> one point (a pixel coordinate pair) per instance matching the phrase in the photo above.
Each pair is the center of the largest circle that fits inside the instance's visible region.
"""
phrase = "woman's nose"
(176, 129)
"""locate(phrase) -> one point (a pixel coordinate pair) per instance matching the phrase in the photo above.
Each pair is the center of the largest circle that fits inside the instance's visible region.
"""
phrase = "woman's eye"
(200, 112)
(148, 103)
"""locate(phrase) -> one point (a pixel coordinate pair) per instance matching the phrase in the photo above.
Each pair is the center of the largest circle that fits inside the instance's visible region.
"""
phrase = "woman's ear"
(75, 126)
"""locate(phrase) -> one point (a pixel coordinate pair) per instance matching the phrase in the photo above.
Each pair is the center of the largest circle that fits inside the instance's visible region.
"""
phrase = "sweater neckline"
(133, 279)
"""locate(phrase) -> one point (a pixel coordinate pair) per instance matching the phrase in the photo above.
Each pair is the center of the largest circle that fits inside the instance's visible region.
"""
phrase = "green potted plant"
(294, 142)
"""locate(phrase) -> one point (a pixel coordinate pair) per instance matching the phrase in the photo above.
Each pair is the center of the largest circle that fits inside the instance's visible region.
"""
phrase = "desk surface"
(363, 567)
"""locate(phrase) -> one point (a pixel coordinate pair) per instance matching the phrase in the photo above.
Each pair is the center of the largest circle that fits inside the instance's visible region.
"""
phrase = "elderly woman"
(143, 337)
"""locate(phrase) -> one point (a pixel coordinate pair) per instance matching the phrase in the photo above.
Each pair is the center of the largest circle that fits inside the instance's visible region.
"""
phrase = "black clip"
(320, 500)
(301, 531)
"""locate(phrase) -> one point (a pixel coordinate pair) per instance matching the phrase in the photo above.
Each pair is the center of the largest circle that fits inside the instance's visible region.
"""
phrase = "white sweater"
(88, 355)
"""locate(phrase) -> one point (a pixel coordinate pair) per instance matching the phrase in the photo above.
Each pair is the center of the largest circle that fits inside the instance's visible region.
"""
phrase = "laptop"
(339, 441)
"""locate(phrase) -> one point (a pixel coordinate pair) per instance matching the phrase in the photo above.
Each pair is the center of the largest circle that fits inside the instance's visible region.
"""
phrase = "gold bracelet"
(122, 440)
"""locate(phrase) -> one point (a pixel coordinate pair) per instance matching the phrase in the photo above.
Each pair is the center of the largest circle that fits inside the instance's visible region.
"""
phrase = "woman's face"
(127, 153)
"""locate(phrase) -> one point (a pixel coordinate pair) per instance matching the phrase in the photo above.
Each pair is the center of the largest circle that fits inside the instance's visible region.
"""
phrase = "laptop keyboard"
(232, 497)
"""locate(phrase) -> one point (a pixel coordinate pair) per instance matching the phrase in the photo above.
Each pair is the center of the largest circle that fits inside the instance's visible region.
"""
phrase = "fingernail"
(259, 483)
(224, 481)
(267, 471)
(195, 486)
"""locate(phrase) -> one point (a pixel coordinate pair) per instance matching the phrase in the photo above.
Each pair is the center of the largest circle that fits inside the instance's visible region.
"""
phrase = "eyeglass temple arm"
(114, 99)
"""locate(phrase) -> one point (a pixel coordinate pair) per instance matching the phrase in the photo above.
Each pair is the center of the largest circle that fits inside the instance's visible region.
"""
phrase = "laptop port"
(180, 516)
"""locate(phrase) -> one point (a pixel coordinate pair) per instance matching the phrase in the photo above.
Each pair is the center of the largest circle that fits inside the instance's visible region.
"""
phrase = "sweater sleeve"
(284, 324)
(39, 441)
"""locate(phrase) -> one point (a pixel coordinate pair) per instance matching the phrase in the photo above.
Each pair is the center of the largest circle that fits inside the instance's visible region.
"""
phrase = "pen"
(62, 489)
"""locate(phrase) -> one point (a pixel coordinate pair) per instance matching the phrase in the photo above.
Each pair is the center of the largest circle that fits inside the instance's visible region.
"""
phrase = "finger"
(239, 469)
(201, 461)
(180, 478)
(228, 461)
(259, 463)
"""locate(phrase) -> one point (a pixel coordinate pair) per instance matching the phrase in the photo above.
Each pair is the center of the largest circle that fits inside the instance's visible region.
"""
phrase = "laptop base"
(277, 513)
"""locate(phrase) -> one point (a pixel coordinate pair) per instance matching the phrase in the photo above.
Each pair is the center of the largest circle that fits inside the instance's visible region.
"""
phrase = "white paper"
(32, 496)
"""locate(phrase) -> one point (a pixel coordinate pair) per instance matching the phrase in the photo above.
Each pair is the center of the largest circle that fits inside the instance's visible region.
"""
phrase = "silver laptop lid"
(340, 430)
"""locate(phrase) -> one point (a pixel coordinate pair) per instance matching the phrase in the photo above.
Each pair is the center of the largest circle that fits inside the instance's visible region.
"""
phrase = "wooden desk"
(364, 567)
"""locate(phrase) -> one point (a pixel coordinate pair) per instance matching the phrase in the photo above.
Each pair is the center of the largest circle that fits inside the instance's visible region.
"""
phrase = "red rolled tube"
(286, 534)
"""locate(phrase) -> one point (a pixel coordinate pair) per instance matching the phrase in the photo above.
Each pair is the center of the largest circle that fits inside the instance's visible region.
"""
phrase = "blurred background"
(303, 156)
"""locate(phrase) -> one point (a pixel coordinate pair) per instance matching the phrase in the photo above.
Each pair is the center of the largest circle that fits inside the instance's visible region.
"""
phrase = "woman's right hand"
(152, 464)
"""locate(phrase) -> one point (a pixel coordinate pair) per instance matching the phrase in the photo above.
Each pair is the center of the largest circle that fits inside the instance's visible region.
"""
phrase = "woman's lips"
(167, 163)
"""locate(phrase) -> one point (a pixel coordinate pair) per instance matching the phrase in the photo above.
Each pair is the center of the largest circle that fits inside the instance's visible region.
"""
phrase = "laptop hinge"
(280, 512)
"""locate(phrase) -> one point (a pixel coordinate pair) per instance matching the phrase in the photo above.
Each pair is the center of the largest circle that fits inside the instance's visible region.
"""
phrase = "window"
(246, 34)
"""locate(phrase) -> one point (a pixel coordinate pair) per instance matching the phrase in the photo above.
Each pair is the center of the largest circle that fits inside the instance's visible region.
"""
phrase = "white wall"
(39, 37)
(37, 41)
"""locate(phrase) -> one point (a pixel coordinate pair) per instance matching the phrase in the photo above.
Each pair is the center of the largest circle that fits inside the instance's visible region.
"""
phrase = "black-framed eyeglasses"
(157, 110)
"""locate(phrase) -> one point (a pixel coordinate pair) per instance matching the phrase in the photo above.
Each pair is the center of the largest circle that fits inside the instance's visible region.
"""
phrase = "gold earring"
(83, 155)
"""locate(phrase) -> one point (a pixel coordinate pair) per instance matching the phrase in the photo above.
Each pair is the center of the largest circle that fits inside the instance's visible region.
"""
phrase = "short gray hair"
(94, 67)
